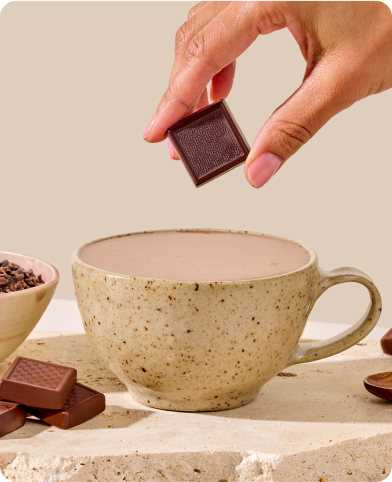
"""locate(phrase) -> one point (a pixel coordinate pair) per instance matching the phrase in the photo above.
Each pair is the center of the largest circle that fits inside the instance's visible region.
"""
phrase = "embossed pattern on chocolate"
(78, 395)
(82, 404)
(5, 406)
(209, 142)
(38, 374)
(37, 383)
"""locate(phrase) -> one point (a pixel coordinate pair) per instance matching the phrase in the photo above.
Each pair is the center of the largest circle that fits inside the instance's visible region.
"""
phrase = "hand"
(347, 47)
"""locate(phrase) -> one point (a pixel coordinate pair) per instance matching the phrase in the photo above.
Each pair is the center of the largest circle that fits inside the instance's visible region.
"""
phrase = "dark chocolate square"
(12, 417)
(209, 142)
(37, 383)
(82, 404)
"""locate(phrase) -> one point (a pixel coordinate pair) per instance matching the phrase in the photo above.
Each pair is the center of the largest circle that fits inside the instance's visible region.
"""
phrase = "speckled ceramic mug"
(178, 347)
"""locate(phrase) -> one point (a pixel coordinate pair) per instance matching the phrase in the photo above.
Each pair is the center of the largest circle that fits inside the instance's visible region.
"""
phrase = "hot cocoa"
(196, 255)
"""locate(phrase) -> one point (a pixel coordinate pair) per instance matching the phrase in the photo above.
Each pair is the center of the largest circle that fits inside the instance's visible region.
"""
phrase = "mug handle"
(307, 352)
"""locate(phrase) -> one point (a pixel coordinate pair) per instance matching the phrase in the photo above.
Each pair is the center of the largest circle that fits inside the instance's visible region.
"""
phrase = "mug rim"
(313, 256)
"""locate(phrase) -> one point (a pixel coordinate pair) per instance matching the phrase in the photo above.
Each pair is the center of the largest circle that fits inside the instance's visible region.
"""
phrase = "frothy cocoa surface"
(196, 256)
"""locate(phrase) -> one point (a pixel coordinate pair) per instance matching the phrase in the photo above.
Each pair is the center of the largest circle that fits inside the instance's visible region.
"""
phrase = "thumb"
(321, 96)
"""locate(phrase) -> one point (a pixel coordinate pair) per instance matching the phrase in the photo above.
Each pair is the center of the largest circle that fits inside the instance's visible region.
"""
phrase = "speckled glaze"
(20, 311)
(205, 346)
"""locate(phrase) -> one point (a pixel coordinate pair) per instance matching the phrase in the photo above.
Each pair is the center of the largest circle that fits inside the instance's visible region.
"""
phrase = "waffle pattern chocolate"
(37, 383)
(5, 406)
(38, 374)
(83, 404)
(79, 394)
(209, 142)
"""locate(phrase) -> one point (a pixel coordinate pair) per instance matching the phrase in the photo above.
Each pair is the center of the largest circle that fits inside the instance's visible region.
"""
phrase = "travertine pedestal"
(319, 426)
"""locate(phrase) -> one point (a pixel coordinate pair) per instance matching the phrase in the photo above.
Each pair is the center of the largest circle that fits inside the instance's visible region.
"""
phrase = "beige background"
(79, 81)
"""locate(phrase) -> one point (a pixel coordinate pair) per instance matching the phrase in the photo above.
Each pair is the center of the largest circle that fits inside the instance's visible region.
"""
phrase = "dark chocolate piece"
(12, 417)
(209, 142)
(37, 384)
(82, 404)
(386, 343)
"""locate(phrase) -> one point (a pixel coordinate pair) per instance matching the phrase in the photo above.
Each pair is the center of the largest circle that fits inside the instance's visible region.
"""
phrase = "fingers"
(203, 101)
(338, 71)
(322, 95)
(222, 83)
(196, 9)
(172, 153)
(214, 47)
(198, 17)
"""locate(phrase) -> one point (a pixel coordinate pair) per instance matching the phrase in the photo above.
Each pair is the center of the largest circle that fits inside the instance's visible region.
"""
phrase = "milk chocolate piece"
(209, 142)
(82, 404)
(37, 384)
(12, 417)
(386, 343)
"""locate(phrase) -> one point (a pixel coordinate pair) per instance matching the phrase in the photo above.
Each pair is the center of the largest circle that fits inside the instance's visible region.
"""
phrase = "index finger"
(218, 44)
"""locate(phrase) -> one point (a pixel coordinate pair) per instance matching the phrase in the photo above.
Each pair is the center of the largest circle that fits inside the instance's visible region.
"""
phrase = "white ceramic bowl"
(20, 311)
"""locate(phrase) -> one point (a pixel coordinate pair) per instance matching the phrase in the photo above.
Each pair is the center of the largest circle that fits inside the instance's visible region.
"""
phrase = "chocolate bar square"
(12, 417)
(209, 142)
(37, 383)
(82, 404)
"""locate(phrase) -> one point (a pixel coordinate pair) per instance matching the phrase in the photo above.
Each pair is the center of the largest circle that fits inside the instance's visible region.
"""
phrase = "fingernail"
(170, 149)
(148, 127)
(263, 168)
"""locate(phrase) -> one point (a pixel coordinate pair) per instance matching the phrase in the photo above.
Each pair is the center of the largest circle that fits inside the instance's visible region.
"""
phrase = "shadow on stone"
(321, 392)
(114, 417)
(32, 428)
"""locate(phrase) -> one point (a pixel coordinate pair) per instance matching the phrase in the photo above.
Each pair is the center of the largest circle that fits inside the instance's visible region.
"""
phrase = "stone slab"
(319, 426)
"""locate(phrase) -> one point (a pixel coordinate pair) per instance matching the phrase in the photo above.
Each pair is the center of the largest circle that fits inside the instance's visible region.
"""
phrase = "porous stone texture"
(318, 426)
